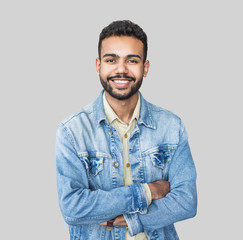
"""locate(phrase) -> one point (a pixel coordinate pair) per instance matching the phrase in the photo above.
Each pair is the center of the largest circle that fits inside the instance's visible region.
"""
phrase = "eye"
(132, 61)
(110, 60)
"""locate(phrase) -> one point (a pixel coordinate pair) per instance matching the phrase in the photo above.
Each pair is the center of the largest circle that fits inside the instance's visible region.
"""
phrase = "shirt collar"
(145, 115)
(111, 115)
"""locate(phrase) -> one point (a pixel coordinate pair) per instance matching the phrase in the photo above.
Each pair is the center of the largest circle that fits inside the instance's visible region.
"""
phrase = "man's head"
(122, 62)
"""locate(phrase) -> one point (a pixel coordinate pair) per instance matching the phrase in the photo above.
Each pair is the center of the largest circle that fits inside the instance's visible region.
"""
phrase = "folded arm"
(158, 190)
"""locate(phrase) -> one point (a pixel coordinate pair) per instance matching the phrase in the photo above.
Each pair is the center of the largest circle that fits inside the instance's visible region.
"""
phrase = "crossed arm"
(158, 190)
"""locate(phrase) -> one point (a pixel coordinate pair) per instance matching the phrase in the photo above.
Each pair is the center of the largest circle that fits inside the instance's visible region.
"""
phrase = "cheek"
(105, 71)
(139, 72)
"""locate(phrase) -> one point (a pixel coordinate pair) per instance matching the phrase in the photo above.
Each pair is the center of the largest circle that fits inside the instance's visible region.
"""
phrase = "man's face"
(121, 67)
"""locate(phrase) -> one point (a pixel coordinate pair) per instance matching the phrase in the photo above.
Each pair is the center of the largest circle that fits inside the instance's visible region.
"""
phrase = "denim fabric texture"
(90, 174)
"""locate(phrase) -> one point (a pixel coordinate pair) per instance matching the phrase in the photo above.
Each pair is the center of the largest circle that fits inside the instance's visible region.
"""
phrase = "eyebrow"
(115, 55)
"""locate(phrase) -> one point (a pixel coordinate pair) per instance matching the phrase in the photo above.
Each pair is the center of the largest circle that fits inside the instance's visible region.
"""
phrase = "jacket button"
(116, 164)
(110, 132)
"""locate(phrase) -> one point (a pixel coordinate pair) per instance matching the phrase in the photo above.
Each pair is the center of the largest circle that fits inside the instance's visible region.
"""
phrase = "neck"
(123, 108)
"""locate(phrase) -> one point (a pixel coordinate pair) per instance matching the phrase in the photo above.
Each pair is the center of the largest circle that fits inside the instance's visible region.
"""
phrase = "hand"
(159, 189)
(119, 221)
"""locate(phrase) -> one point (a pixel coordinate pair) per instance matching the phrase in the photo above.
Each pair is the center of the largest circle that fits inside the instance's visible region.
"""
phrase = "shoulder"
(78, 116)
(160, 112)
(165, 121)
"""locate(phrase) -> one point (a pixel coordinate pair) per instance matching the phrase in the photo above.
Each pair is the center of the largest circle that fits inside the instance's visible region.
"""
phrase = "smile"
(120, 81)
(121, 78)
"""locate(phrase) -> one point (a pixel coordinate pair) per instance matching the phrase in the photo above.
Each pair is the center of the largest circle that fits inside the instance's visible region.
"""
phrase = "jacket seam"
(68, 133)
(83, 218)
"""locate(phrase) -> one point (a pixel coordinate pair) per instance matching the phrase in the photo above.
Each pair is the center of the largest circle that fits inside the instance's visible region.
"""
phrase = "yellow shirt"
(124, 132)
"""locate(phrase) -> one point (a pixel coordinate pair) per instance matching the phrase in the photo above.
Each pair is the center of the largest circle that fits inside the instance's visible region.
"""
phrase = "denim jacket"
(90, 175)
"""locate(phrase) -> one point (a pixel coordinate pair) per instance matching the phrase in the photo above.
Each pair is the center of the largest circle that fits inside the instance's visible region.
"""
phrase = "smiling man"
(121, 66)
(124, 166)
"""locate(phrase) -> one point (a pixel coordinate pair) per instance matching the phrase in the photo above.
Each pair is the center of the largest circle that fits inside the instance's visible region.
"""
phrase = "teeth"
(121, 81)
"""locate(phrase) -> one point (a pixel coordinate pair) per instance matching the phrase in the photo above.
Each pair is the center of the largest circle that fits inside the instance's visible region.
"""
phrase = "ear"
(97, 63)
(146, 68)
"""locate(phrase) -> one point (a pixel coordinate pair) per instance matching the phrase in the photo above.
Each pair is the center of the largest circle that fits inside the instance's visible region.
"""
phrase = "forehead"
(122, 46)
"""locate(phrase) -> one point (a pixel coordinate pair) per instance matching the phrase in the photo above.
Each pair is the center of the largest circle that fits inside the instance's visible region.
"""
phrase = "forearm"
(157, 190)
(83, 206)
(176, 206)
(120, 220)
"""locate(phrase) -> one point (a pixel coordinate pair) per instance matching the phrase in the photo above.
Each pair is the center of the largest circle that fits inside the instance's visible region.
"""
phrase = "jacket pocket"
(98, 169)
(157, 161)
(160, 157)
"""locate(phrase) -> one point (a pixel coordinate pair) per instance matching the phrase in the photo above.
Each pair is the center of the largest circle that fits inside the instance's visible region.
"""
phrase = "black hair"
(124, 28)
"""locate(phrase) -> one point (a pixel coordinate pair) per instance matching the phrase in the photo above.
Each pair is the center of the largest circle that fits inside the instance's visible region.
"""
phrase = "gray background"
(47, 71)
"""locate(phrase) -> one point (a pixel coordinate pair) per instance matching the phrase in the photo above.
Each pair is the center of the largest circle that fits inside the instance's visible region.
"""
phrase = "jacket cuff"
(139, 200)
(134, 224)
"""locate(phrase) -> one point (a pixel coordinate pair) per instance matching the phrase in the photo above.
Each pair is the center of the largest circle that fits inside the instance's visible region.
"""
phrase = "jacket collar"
(145, 117)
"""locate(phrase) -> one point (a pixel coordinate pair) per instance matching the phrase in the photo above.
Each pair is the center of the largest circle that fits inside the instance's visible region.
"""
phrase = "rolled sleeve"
(133, 223)
(140, 202)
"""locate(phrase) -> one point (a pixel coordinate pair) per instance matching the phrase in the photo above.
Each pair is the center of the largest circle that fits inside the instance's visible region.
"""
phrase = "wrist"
(151, 188)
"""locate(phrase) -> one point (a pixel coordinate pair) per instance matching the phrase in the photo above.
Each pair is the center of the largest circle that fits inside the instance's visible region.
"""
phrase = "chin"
(121, 96)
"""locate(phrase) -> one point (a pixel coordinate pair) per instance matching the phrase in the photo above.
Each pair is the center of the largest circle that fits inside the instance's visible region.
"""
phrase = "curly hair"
(124, 28)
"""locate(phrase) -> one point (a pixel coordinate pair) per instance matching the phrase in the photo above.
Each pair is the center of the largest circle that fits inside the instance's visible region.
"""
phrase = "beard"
(108, 88)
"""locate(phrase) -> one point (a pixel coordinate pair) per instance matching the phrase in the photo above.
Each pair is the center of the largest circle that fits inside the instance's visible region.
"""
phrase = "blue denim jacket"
(90, 177)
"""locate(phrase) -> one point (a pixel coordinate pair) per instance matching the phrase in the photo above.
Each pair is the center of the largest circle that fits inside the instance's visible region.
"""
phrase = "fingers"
(109, 224)
(103, 224)
(118, 221)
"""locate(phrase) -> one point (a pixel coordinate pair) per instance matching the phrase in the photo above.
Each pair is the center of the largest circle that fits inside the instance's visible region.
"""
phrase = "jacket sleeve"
(180, 203)
(79, 204)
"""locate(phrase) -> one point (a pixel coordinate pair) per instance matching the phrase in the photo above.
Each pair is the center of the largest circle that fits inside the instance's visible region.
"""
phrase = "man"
(124, 166)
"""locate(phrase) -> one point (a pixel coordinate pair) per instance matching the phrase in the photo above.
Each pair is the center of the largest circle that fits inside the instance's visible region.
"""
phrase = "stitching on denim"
(89, 218)
(68, 133)
(94, 154)
(158, 148)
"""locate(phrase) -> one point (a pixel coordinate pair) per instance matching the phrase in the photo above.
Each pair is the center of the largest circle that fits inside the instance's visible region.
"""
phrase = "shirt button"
(128, 165)
(125, 135)
(110, 132)
(116, 164)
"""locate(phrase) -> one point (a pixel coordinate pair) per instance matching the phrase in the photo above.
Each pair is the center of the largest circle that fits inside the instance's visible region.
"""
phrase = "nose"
(121, 67)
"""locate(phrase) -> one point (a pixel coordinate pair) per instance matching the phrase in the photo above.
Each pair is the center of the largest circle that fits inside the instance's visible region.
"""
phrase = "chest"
(149, 158)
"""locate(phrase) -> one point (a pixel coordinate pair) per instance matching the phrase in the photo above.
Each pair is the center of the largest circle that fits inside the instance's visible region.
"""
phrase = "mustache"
(121, 76)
